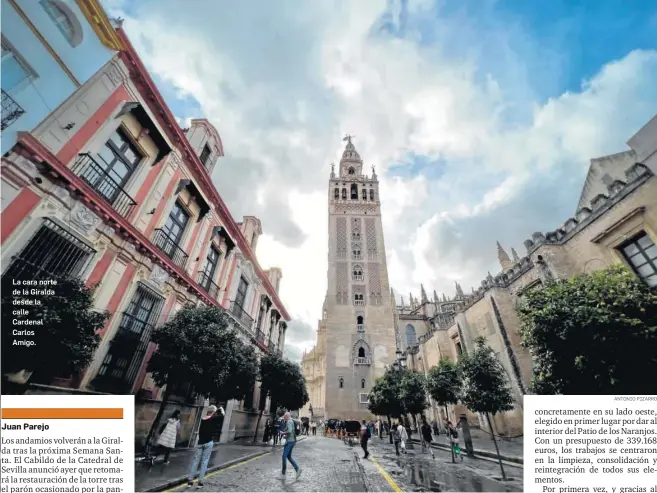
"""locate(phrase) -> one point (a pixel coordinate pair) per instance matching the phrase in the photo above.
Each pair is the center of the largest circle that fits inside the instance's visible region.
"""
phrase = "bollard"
(465, 428)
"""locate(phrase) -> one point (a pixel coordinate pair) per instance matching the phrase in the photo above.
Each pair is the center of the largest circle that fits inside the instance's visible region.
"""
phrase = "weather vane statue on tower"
(348, 138)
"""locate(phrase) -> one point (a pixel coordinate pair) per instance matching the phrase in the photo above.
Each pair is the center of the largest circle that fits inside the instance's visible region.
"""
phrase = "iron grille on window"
(205, 155)
(641, 253)
(11, 111)
(52, 252)
(126, 353)
(168, 245)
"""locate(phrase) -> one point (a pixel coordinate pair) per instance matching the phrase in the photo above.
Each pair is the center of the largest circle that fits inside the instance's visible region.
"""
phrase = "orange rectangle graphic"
(62, 413)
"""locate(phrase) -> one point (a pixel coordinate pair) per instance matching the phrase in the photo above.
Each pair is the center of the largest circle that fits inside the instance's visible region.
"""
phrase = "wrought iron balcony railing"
(360, 327)
(359, 302)
(170, 248)
(87, 168)
(358, 277)
(208, 285)
(242, 317)
(11, 110)
(362, 361)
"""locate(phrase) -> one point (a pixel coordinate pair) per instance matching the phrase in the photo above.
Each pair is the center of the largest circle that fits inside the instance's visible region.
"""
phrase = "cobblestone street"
(330, 465)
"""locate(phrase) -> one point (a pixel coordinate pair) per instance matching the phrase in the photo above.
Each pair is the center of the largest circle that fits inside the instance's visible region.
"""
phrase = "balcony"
(359, 302)
(87, 168)
(208, 286)
(170, 248)
(358, 278)
(362, 361)
(241, 316)
(11, 111)
(356, 257)
(360, 327)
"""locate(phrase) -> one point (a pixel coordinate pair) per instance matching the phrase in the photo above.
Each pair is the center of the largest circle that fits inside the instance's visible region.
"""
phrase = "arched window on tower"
(359, 319)
(354, 191)
(364, 194)
(336, 193)
(358, 273)
(344, 194)
(359, 300)
(362, 383)
(351, 171)
(341, 382)
(361, 352)
(371, 194)
(411, 338)
(355, 251)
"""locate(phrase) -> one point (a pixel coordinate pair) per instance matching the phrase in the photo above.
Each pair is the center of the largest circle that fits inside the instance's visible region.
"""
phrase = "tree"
(384, 397)
(444, 385)
(413, 393)
(283, 382)
(198, 346)
(593, 334)
(66, 341)
(486, 388)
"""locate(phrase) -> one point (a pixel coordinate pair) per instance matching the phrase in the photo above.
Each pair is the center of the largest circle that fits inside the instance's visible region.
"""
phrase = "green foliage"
(444, 382)
(413, 391)
(384, 396)
(199, 346)
(486, 388)
(67, 340)
(283, 381)
(593, 334)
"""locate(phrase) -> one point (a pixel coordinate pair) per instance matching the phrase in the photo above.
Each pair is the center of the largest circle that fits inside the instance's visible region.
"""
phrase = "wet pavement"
(417, 471)
(327, 465)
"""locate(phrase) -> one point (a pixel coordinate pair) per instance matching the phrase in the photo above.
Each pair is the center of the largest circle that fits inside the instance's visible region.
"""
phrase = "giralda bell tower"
(358, 313)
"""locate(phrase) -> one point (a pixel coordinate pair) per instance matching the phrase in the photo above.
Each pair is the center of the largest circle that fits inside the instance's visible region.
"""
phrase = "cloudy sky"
(480, 116)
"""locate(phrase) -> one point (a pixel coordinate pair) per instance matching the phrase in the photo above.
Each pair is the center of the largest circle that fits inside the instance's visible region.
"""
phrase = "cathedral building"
(356, 337)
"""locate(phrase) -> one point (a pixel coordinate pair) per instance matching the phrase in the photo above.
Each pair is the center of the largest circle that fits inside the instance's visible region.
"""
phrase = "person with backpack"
(425, 431)
(168, 436)
(365, 435)
(292, 430)
(454, 439)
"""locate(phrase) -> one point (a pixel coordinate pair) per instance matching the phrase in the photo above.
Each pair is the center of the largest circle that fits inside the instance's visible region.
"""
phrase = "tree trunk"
(449, 436)
(160, 412)
(261, 407)
(255, 434)
(389, 428)
(499, 458)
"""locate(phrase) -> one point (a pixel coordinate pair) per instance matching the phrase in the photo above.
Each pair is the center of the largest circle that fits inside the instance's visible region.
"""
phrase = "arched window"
(354, 191)
(355, 251)
(364, 194)
(355, 235)
(359, 300)
(411, 338)
(65, 20)
(344, 194)
(358, 273)
(336, 193)
(351, 171)
(341, 382)
(361, 352)
(362, 383)
(359, 319)
(371, 194)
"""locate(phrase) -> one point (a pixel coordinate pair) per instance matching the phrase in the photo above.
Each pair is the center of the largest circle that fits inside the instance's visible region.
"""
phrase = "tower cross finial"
(348, 138)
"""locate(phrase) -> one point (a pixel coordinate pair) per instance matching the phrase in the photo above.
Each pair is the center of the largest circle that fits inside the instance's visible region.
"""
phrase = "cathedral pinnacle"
(444, 297)
(332, 170)
(515, 255)
(423, 294)
(350, 153)
(459, 291)
(435, 296)
(503, 257)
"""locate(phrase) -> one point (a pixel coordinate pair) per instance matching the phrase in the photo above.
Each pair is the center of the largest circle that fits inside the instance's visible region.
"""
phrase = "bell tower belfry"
(358, 319)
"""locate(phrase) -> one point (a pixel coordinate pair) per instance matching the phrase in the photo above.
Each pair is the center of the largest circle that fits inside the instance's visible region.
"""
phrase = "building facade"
(356, 335)
(50, 48)
(124, 201)
(615, 222)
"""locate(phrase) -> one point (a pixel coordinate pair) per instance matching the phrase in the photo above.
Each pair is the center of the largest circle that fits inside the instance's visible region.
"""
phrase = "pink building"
(110, 189)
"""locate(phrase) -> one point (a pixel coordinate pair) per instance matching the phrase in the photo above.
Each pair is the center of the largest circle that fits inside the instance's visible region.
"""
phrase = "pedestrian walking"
(425, 431)
(290, 441)
(209, 424)
(314, 428)
(267, 433)
(168, 436)
(396, 439)
(454, 439)
(365, 435)
(403, 436)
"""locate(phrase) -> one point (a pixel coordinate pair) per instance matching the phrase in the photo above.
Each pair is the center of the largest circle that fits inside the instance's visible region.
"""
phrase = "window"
(351, 171)
(124, 357)
(371, 194)
(336, 193)
(354, 191)
(117, 161)
(358, 273)
(205, 155)
(459, 349)
(344, 194)
(364, 398)
(411, 338)
(359, 319)
(241, 292)
(51, 252)
(362, 383)
(641, 253)
(359, 300)
(364, 194)
(355, 236)
(64, 19)
(341, 382)
(13, 70)
(361, 352)
(206, 277)
(355, 252)
(176, 223)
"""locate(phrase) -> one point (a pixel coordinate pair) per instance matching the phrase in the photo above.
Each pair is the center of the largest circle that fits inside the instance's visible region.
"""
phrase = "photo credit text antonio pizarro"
(67, 443)
(584, 443)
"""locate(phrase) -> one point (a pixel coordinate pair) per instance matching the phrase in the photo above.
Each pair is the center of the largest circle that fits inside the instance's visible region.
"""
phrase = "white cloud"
(284, 81)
